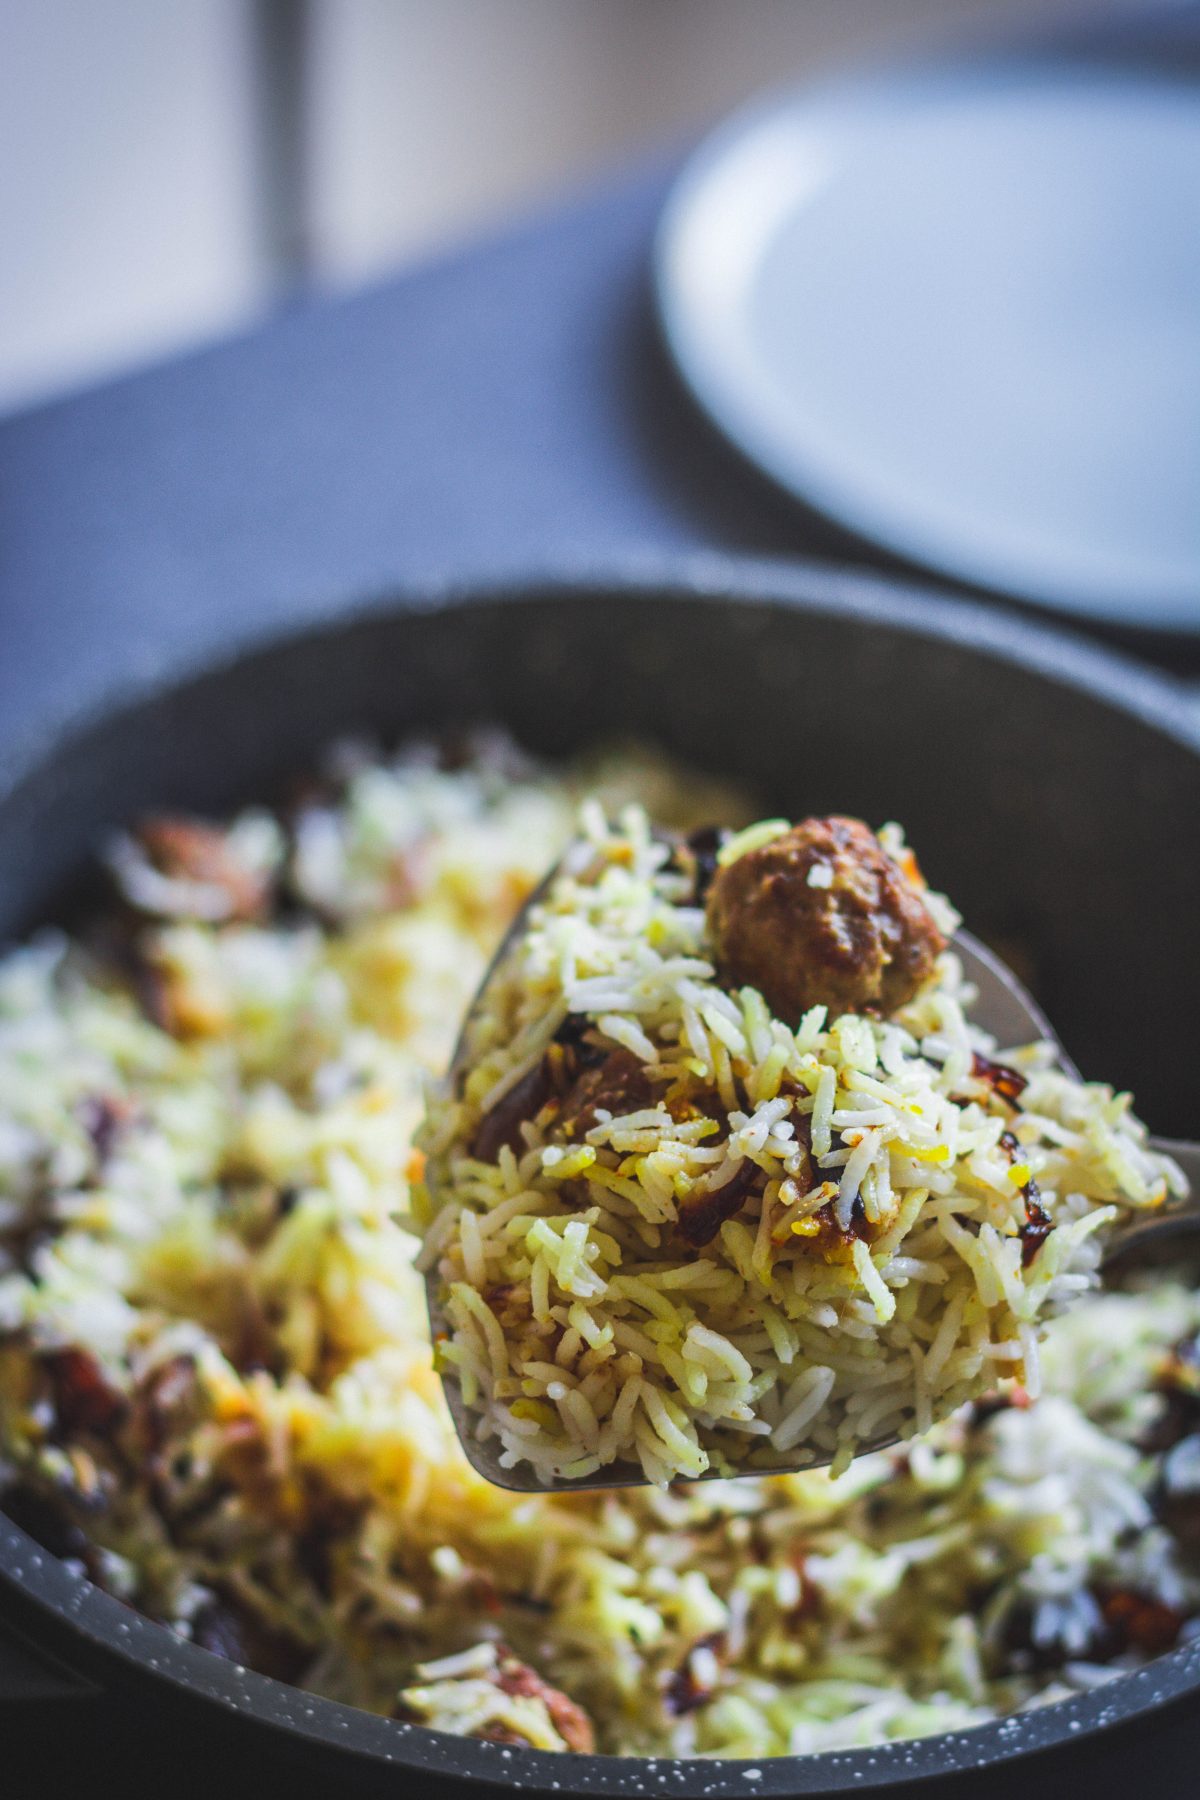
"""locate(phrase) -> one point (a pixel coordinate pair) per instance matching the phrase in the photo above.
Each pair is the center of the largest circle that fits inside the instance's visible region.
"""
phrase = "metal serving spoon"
(1008, 1013)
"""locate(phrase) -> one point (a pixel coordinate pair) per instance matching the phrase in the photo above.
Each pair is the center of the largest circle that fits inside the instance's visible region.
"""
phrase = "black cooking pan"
(1053, 790)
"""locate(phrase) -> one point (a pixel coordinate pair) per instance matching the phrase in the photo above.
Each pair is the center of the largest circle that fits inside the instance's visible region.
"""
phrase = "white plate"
(958, 310)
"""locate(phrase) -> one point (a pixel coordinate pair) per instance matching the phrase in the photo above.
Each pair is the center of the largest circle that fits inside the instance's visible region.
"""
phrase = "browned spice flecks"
(683, 1692)
(84, 1398)
(1149, 1625)
(1008, 1084)
(191, 850)
(703, 1211)
(502, 1124)
(619, 1085)
(569, 1719)
(1038, 1223)
(576, 1082)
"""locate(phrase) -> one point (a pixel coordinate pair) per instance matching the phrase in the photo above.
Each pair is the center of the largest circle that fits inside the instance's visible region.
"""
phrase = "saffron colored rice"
(879, 1268)
(217, 1396)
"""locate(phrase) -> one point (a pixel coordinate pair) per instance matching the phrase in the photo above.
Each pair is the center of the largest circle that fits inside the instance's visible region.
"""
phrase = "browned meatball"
(861, 939)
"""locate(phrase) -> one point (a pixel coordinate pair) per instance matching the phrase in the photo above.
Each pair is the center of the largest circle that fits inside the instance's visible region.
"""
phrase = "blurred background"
(171, 169)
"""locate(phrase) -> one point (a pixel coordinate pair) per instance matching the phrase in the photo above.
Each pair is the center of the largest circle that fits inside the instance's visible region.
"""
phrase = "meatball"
(822, 916)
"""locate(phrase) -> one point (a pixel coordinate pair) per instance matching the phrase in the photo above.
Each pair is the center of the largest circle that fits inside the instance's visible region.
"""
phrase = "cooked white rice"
(216, 1391)
(878, 1269)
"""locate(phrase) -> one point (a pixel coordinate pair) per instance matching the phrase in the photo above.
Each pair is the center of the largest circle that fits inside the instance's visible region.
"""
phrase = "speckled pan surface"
(1054, 790)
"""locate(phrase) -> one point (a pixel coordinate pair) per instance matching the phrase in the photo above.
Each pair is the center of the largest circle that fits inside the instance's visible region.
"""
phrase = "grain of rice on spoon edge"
(729, 1181)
